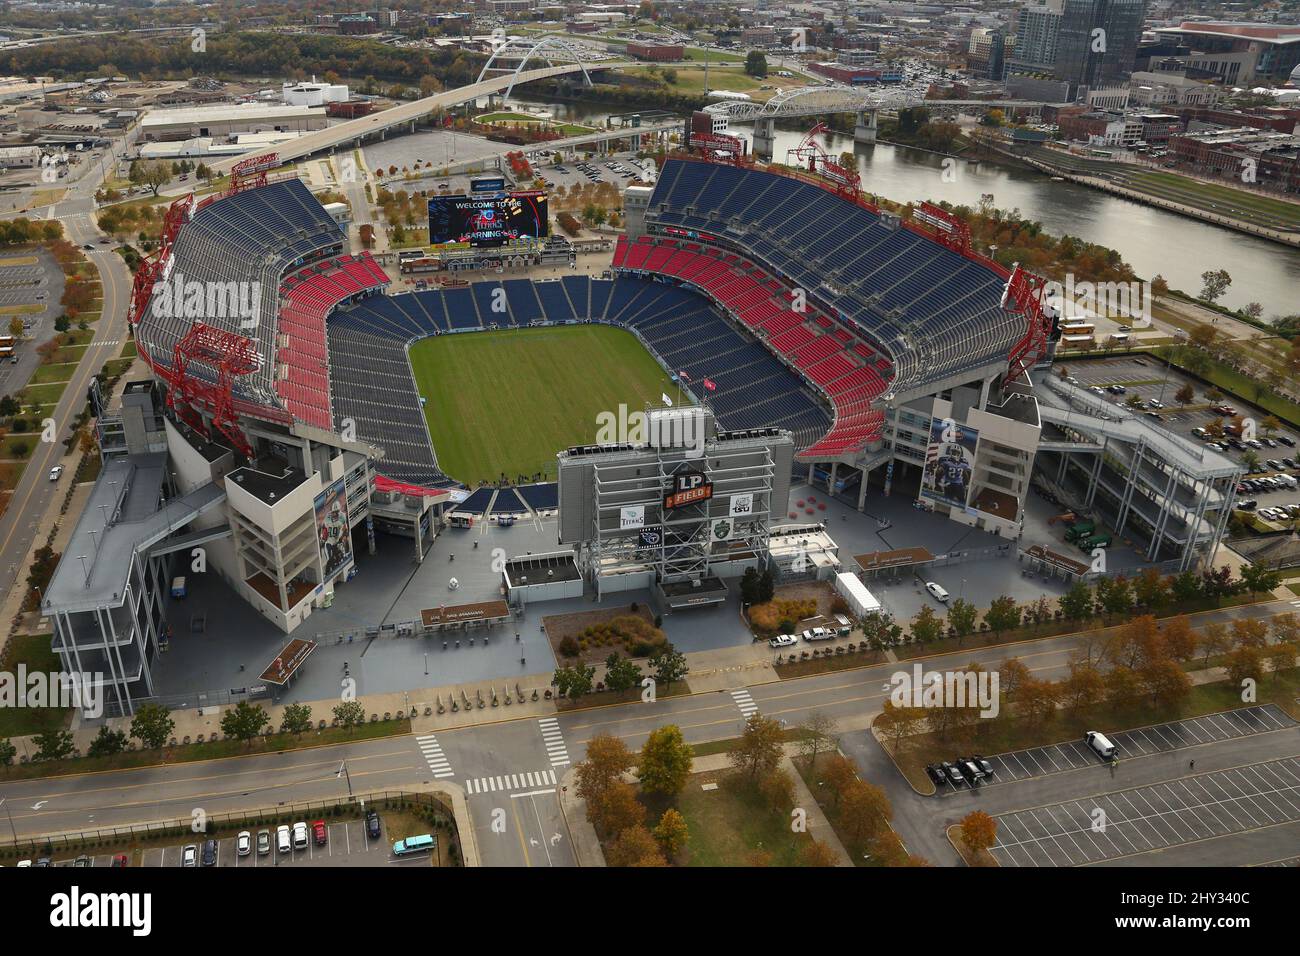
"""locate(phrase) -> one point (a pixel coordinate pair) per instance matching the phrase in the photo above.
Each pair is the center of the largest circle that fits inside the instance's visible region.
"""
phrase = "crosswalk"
(554, 740)
(433, 754)
(533, 780)
(745, 702)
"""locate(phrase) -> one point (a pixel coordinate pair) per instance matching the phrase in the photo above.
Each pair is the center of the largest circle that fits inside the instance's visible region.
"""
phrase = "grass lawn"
(1223, 195)
(547, 384)
(44, 394)
(8, 446)
(53, 373)
(117, 366)
(34, 651)
(30, 308)
(128, 350)
(729, 824)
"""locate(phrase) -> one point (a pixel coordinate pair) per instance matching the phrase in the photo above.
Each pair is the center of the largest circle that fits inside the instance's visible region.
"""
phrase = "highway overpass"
(407, 114)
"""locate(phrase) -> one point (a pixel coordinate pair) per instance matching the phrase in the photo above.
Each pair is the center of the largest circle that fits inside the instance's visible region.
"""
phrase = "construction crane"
(846, 181)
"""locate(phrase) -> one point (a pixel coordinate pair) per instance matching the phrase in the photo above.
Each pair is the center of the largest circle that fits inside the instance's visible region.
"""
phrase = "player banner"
(949, 463)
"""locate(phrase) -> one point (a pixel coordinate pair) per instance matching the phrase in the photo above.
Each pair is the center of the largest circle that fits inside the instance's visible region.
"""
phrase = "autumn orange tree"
(979, 831)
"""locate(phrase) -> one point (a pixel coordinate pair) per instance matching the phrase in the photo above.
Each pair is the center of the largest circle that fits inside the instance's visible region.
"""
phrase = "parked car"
(953, 775)
(1116, 389)
(120, 861)
(1286, 440)
(263, 842)
(244, 843)
(319, 832)
(300, 835)
(973, 774)
(373, 829)
(984, 764)
(190, 855)
(283, 841)
(83, 861)
(783, 640)
(935, 773)
(209, 852)
(937, 591)
(818, 634)
(56, 473)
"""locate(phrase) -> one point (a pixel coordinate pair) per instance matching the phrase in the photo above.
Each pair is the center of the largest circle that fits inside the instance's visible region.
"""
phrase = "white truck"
(861, 601)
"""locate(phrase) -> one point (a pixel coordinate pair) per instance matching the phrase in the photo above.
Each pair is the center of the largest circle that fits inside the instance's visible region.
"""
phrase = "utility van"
(1098, 742)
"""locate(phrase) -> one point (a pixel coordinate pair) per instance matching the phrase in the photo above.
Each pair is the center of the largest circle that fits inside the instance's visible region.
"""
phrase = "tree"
(1037, 700)
(106, 743)
(961, 618)
(616, 809)
(756, 63)
(296, 719)
(1179, 639)
(607, 760)
(1122, 684)
(1184, 395)
(1215, 283)
(665, 761)
(152, 725)
(837, 773)
(54, 745)
(819, 736)
(1150, 589)
(672, 834)
(7, 752)
(621, 673)
(897, 723)
(574, 681)
(926, 626)
(749, 586)
(1118, 598)
(635, 846)
(815, 853)
(1258, 578)
(979, 831)
(154, 175)
(766, 586)
(350, 714)
(1166, 682)
(1248, 632)
(759, 750)
(1076, 603)
(244, 722)
(669, 666)
(16, 326)
(864, 812)
(1003, 614)
(1245, 663)
(777, 791)
(1083, 688)
(1012, 674)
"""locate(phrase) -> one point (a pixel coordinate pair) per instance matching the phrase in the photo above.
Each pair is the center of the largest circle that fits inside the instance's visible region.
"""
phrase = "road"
(35, 492)
(511, 770)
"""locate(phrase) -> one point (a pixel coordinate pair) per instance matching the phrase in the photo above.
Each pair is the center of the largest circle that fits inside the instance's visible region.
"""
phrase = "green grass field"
(549, 385)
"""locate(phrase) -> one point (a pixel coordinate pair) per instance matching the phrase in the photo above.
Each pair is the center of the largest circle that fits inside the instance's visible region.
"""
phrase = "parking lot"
(1161, 738)
(347, 845)
(1151, 818)
(1150, 379)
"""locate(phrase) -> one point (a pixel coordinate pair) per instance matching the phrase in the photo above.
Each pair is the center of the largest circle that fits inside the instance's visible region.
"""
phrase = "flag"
(667, 401)
(683, 376)
(710, 385)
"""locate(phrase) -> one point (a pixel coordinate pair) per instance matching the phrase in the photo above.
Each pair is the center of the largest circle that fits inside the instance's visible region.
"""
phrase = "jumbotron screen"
(488, 220)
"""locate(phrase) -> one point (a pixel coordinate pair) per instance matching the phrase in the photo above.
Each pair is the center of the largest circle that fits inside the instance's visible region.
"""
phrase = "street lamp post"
(343, 772)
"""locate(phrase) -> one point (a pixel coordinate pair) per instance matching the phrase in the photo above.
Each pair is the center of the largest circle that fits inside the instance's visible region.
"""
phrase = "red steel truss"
(845, 181)
(228, 355)
(729, 146)
(1024, 296)
(251, 173)
(948, 230)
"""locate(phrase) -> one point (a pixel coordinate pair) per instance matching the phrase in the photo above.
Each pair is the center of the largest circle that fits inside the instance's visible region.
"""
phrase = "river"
(1153, 241)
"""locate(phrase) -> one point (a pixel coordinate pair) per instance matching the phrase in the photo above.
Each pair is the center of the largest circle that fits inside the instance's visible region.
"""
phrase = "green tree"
(756, 63)
(759, 750)
(574, 681)
(621, 673)
(1002, 615)
(961, 618)
(244, 722)
(665, 761)
(296, 719)
(7, 752)
(349, 714)
(152, 725)
(1259, 578)
(749, 586)
(926, 626)
(669, 665)
(1076, 603)
(54, 745)
(106, 743)
(1215, 283)
(766, 586)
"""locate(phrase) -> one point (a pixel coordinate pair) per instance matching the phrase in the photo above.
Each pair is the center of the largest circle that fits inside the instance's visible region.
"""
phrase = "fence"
(48, 844)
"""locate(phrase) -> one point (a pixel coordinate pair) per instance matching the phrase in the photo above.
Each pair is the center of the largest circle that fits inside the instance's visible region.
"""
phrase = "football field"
(506, 402)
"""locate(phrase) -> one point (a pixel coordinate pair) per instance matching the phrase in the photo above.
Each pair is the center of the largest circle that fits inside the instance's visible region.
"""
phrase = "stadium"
(806, 324)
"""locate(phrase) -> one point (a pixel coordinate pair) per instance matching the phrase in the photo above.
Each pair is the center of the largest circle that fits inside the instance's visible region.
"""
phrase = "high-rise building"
(1037, 27)
(1098, 41)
